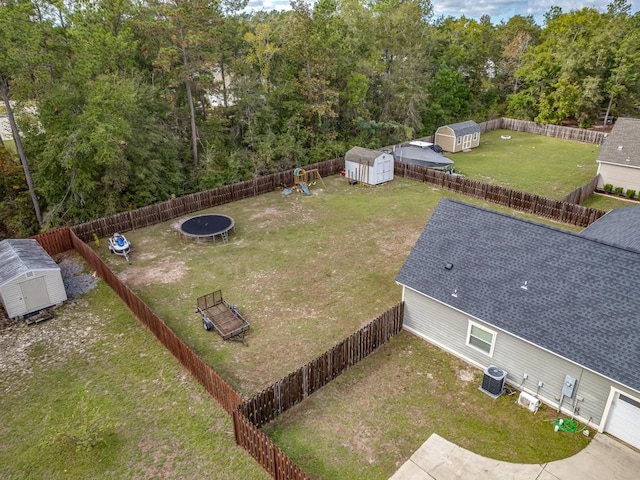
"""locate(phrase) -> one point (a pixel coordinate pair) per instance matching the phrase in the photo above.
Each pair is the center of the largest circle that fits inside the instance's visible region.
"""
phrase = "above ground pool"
(208, 226)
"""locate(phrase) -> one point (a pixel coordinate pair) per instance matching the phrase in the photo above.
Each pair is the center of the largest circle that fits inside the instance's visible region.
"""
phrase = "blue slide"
(304, 188)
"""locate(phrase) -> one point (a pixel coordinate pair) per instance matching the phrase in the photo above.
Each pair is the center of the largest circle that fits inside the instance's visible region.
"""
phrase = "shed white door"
(35, 294)
(466, 141)
(385, 170)
(624, 420)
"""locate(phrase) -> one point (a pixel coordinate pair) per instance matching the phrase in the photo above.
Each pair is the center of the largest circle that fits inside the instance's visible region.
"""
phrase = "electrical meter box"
(568, 386)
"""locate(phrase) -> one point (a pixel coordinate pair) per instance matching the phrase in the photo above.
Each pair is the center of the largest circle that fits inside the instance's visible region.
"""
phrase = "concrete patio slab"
(438, 459)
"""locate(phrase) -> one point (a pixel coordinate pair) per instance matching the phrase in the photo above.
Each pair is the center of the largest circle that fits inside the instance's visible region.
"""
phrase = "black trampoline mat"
(207, 225)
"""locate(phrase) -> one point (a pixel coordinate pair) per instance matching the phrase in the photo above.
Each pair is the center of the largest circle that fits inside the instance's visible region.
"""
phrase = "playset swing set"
(303, 179)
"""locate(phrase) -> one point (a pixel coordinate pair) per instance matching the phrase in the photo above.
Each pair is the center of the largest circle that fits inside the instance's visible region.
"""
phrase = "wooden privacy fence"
(558, 210)
(580, 194)
(298, 385)
(176, 207)
(282, 395)
(56, 241)
(264, 451)
(557, 131)
(249, 415)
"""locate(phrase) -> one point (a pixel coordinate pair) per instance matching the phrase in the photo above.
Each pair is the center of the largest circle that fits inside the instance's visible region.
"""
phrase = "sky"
(498, 10)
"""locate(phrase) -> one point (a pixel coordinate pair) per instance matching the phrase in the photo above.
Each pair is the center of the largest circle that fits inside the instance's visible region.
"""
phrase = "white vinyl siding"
(481, 338)
(13, 295)
(379, 171)
(619, 176)
(449, 329)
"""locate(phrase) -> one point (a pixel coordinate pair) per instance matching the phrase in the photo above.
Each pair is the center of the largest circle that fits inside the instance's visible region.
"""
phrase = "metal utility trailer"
(226, 319)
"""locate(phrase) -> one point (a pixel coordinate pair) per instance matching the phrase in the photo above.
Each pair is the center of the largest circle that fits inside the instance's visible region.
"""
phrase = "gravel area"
(76, 281)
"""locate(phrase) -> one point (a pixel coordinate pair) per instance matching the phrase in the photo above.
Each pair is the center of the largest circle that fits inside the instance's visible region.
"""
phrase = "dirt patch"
(467, 375)
(169, 271)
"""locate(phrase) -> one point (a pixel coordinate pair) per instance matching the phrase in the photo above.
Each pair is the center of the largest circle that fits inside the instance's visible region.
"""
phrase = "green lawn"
(366, 423)
(546, 166)
(305, 272)
(608, 202)
(96, 372)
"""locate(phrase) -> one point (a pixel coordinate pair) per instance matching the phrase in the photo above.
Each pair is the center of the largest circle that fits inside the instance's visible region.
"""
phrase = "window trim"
(485, 329)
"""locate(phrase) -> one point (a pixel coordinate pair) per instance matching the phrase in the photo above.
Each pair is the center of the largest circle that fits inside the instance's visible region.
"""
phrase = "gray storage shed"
(30, 279)
(368, 166)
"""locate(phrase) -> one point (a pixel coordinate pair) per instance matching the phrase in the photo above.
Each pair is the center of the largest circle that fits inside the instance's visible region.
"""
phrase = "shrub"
(630, 193)
(618, 190)
(608, 188)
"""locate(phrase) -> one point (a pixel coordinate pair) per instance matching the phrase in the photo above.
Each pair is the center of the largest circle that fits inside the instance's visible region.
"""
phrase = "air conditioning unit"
(493, 381)
(528, 401)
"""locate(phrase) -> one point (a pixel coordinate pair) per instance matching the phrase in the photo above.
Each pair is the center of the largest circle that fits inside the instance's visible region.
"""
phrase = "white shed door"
(35, 294)
(624, 420)
(385, 172)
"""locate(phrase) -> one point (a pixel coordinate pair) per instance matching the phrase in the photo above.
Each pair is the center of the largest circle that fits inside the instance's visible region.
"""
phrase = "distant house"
(619, 159)
(556, 312)
(370, 167)
(458, 136)
(30, 280)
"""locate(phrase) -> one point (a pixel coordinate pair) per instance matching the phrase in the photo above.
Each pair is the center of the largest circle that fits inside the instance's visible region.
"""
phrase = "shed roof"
(464, 128)
(362, 155)
(580, 301)
(622, 145)
(19, 256)
(619, 227)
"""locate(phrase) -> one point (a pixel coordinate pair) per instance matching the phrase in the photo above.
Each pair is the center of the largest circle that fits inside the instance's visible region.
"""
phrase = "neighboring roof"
(625, 134)
(362, 155)
(464, 128)
(420, 156)
(581, 300)
(619, 227)
(19, 256)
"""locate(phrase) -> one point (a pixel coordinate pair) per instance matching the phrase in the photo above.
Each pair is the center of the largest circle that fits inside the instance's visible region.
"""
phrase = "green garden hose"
(566, 425)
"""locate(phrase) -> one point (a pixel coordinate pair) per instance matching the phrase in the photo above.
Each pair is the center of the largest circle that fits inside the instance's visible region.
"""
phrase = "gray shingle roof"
(19, 256)
(619, 227)
(464, 128)
(625, 134)
(581, 300)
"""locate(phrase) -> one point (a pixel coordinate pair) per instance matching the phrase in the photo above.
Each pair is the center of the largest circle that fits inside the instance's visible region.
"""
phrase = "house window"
(481, 338)
(475, 136)
(459, 140)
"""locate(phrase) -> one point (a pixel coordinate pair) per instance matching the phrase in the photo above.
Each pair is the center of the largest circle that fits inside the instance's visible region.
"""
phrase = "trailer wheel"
(206, 325)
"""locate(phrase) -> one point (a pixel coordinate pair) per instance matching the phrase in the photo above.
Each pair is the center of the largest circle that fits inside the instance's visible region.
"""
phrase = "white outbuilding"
(30, 280)
(370, 167)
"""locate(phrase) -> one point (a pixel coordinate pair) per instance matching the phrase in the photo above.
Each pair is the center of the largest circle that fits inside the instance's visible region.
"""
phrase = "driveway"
(603, 459)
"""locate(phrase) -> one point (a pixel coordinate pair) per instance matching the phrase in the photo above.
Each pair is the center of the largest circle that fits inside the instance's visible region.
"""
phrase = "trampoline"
(208, 226)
